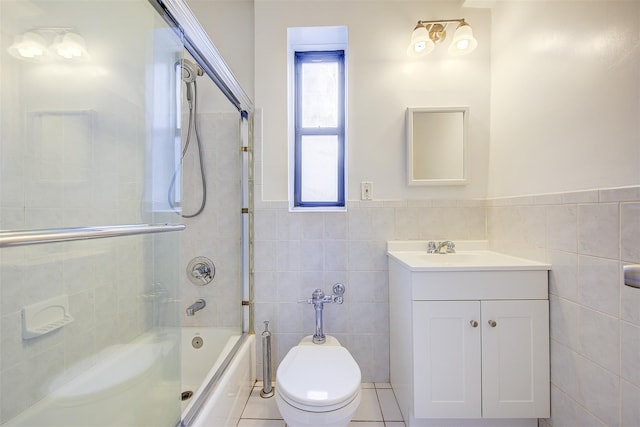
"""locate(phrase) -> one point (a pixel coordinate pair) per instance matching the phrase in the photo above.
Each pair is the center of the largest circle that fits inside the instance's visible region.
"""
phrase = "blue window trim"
(319, 56)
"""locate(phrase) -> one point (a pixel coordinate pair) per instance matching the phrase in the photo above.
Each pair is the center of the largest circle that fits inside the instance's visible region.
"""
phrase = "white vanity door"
(515, 359)
(446, 359)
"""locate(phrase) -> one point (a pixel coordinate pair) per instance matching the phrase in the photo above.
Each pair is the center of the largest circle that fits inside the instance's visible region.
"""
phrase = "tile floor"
(378, 408)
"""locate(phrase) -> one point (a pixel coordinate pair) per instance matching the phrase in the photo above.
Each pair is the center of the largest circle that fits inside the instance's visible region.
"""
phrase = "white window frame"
(310, 39)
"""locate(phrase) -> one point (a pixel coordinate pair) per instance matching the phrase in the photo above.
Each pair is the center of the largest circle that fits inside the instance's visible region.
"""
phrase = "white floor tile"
(383, 385)
(261, 423)
(378, 403)
(389, 405)
(261, 409)
(369, 409)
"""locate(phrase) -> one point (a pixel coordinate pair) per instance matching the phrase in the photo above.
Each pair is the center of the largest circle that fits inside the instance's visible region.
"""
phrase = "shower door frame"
(196, 41)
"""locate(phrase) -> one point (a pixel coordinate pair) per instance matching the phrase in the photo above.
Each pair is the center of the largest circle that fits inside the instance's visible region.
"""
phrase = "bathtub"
(98, 391)
(220, 373)
(218, 367)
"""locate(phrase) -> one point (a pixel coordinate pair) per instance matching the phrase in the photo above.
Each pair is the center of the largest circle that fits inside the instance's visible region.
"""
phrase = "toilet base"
(295, 417)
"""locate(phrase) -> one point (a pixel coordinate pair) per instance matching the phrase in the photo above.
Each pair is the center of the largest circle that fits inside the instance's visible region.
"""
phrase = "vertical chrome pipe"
(267, 389)
(319, 337)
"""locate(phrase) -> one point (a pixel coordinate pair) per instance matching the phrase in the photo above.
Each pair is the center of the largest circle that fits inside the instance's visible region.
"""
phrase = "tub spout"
(196, 306)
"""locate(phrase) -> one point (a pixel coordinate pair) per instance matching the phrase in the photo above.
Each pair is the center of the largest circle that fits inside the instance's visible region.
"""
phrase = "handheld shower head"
(190, 71)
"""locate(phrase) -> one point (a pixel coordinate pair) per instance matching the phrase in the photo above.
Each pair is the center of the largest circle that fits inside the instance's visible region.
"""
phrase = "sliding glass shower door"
(89, 327)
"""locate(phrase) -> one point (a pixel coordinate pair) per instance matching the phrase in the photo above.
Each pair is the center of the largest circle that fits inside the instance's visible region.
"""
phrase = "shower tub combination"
(218, 372)
(117, 354)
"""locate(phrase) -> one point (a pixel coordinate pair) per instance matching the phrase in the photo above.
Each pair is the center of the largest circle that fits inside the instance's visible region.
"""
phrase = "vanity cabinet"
(469, 347)
(481, 359)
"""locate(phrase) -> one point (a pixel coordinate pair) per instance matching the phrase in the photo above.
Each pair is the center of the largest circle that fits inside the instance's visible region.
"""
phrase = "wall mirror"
(437, 146)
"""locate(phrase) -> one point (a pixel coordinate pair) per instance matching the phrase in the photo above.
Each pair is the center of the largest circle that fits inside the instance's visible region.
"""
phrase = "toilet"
(318, 385)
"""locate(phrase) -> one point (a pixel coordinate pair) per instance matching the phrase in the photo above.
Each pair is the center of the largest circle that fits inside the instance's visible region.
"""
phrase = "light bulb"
(420, 43)
(462, 44)
(463, 40)
(28, 46)
(69, 46)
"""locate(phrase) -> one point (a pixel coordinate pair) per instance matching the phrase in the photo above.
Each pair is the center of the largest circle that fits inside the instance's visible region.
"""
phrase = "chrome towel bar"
(52, 235)
(632, 275)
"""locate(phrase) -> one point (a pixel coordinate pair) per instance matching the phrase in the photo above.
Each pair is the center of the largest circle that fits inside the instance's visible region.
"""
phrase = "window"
(318, 125)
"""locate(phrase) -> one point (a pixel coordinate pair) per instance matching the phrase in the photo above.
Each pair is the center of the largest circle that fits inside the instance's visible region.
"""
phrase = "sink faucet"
(437, 249)
(196, 306)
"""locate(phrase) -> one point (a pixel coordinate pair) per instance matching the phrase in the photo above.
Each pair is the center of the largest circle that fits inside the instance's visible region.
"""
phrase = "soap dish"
(46, 316)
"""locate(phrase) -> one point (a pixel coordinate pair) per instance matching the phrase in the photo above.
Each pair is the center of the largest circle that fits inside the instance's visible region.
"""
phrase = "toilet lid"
(318, 376)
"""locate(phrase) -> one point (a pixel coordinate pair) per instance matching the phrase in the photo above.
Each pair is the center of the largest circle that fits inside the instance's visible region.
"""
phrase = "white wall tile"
(562, 227)
(564, 321)
(630, 232)
(563, 409)
(599, 338)
(599, 391)
(335, 225)
(622, 194)
(599, 280)
(630, 303)
(630, 349)
(599, 230)
(563, 368)
(630, 405)
(563, 277)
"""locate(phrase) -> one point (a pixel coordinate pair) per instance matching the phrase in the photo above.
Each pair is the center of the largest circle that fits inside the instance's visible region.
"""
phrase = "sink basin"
(415, 257)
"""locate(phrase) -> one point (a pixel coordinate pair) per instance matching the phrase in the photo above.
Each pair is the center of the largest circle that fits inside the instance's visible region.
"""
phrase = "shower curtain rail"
(52, 235)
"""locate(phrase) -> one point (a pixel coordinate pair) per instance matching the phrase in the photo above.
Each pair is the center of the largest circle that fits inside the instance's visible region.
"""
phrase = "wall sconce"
(69, 46)
(32, 45)
(29, 46)
(427, 33)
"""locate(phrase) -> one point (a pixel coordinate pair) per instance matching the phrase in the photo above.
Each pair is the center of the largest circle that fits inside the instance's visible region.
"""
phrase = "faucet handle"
(338, 292)
(451, 247)
(431, 247)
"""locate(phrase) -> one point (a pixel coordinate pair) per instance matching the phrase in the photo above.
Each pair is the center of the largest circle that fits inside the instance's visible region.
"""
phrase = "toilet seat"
(318, 378)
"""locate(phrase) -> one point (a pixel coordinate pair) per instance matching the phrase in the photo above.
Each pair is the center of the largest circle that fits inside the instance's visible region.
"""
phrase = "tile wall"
(595, 320)
(298, 252)
(586, 236)
(215, 233)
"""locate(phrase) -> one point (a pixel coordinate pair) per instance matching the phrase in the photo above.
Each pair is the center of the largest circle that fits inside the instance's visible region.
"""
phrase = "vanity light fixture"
(69, 46)
(427, 33)
(33, 46)
(29, 45)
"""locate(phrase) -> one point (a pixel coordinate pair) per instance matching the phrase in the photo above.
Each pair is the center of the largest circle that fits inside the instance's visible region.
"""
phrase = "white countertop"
(469, 256)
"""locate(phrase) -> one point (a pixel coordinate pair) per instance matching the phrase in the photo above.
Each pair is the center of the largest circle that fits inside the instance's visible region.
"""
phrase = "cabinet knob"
(492, 323)
(474, 323)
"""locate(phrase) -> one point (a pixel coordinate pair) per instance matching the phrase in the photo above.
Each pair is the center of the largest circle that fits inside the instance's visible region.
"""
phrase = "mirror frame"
(465, 146)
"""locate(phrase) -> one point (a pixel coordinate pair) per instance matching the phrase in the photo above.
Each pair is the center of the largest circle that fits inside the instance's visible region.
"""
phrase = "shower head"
(190, 71)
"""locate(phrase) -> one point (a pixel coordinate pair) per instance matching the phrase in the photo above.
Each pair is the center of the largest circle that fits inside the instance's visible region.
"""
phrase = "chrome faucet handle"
(451, 247)
(338, 292)
(317, 297)
(431, 247)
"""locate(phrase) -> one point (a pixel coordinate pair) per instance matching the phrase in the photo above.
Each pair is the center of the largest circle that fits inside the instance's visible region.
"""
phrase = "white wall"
(565, 92)
(383, 82)
(229, 24)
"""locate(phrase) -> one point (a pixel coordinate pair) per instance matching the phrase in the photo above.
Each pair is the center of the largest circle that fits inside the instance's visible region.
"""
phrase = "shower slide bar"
(52, 235)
